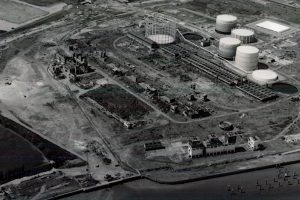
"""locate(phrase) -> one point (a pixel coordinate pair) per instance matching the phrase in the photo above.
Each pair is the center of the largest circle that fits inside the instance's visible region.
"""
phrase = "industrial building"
(143, 40)
(254, 143)
(212, 146)
(225, 23)
(196, 148)
(155, 145)
(273, 26)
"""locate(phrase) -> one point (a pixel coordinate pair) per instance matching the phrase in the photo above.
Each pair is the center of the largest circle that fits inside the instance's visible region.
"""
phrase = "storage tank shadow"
(262, 66)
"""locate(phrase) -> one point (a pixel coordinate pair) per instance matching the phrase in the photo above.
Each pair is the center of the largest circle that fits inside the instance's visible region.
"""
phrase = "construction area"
(168, 90)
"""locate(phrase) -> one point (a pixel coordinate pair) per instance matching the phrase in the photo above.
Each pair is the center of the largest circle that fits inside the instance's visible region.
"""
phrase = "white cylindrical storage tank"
(224, 23)
(227, 47)
(264, 76)
(245, 35)
(246, 58)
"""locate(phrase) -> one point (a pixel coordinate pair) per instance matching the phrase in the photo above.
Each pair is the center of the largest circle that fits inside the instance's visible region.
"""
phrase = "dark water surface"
(284, 88)
(213, 189)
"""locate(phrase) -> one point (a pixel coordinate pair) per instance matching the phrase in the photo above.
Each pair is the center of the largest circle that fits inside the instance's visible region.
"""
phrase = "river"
(244, 187)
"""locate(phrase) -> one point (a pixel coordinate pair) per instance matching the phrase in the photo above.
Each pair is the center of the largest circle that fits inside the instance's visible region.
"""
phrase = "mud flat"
(42, 2)
(16, 153)
(14, 14)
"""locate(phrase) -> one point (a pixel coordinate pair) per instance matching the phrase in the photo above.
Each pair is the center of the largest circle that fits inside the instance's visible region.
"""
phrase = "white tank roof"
(248, 49)
(264, 75)
(230, 41)
(227, 18)
(243, 32)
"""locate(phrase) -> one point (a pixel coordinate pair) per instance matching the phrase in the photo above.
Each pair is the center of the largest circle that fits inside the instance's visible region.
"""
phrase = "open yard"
(118, 101)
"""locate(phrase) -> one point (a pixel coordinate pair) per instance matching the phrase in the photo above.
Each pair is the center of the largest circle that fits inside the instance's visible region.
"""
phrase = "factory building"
(245, 35)
(212, 146)
(273, 26)
(254, 143)
(155, 145)
(142, 40)
(196, 148)
(246, 58)
(227, 47)
(230, 138)
(2, 49)
(225, 23)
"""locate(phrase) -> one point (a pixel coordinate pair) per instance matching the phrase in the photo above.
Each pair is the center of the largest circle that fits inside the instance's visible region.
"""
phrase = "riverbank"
(185, 175)
(96, 187)
(287, 160)
(210, 189)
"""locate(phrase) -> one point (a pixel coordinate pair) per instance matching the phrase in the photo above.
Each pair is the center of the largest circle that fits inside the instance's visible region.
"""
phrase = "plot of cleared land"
(118, 101)
(18, 13)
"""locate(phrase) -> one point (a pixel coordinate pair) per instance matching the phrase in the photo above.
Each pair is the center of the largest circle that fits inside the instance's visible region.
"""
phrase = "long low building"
(142, 40)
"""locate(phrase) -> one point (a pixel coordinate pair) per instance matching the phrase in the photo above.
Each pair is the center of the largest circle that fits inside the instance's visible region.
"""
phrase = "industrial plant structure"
(160, 30)
(264, 76)
(2, 49)
(244, 34)
(246, 58)
(224, 23)
(227, 47)
(213, 145)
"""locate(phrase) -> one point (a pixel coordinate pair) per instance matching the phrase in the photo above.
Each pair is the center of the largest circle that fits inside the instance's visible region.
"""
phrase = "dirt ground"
(126, 106)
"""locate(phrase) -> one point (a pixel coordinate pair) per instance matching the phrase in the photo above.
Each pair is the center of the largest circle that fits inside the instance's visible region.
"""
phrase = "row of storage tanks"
(237, 47)
(246, 56)
(226, 24)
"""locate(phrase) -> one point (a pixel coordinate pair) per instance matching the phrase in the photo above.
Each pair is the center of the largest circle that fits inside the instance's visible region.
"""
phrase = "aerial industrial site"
(97, 93)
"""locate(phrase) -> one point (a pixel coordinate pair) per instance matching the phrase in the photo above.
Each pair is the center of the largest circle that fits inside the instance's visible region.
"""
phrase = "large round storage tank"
(264, 76)
(227, 47)
(245, 35)
(246, 58)
(224, 23)
(159, 30)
